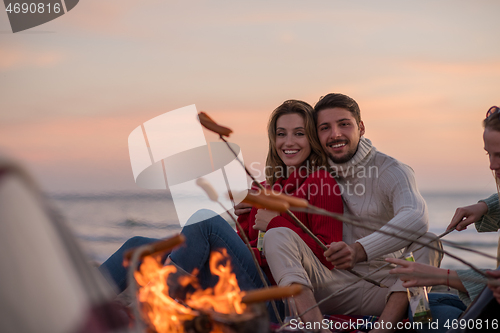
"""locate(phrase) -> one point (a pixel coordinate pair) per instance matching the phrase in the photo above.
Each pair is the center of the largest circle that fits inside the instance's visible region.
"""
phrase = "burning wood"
(217, 309)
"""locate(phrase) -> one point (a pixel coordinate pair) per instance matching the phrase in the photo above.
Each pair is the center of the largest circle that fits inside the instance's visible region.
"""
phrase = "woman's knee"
(137, 241)
(216, 222)
(201, 216)
(211, 225)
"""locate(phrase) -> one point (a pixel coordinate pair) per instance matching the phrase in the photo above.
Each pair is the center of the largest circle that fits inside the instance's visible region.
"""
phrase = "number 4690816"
(32, 8)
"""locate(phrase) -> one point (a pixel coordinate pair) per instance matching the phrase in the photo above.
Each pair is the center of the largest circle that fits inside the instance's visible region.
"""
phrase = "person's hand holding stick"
(467, 215)
(415, 274)
(495, 288)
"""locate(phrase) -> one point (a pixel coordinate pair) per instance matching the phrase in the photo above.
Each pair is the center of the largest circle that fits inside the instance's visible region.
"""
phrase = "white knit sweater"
(380, 187)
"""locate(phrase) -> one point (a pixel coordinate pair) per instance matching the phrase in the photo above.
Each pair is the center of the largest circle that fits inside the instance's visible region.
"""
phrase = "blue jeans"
(443, 307)
(201, 239)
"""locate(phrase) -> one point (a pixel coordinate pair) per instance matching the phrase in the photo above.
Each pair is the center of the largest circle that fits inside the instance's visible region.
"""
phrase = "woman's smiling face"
(292, 143)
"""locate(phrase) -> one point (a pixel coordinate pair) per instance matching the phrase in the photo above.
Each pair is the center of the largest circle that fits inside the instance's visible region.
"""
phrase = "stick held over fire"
(267, 294)
(160, 246)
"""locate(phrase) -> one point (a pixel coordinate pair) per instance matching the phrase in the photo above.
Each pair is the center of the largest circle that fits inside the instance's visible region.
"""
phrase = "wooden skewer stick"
(463, 248)
(212, 194)
(160, 246)
(267, 294)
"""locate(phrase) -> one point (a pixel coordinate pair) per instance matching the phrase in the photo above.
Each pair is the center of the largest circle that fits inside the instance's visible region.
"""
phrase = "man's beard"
(343, 159)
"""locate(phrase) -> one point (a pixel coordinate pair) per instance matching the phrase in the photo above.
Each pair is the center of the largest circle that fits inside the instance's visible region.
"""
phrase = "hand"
(495, 289)
(467, 215)
(415, 274)
(242, 208)
(344, 256)
(263, 217)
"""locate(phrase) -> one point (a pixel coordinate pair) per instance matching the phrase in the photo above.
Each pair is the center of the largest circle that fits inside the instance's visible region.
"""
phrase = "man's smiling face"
(339, 133)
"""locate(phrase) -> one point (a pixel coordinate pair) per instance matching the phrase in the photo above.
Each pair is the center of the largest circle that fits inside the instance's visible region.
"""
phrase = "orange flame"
(168, 315)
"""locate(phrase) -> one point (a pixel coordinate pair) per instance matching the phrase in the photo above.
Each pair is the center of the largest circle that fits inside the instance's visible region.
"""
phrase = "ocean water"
(102, 222)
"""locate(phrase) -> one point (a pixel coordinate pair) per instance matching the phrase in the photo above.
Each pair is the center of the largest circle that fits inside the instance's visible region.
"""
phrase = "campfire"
(204, 310)
(223, 308)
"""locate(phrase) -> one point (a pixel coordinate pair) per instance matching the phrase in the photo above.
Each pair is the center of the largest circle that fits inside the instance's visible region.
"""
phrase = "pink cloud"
(17, 57)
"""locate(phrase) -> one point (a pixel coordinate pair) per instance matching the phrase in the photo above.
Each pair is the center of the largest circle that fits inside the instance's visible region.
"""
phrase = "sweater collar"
(361, 157)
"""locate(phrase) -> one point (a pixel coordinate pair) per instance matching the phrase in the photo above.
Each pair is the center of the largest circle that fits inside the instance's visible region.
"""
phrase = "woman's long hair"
(275, 168)
(493, 123)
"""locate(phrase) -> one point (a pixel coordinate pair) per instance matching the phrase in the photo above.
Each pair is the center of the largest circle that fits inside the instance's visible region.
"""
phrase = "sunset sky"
(423, 72)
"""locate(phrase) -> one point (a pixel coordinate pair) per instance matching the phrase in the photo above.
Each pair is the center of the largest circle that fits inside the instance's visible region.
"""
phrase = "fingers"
(401, 270)
(262, 219)
(239, 212)
(340, 255)
(462, 225)
(341, 261)
(398, 270)
(400, 262)
(260, 213)
(404, 271)
(495, 288)
(467, 215)
(409, 283)
(496, 293)
(242, 208)
(334, 247)
(260, 225)
(345, 265)
(242, 205)
(456, 219)
(266, 215)
(495, 274)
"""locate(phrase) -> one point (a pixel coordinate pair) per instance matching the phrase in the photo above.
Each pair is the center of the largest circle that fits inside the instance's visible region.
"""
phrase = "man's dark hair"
(334, 100)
